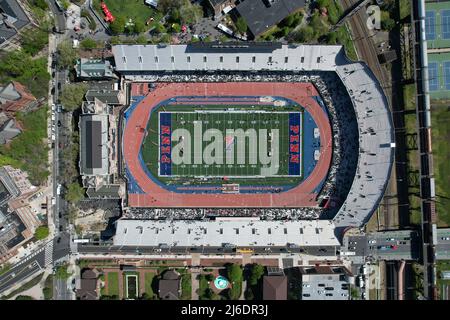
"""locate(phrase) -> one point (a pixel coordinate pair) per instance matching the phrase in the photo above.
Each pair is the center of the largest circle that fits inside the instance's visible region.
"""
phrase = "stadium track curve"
(153, 195)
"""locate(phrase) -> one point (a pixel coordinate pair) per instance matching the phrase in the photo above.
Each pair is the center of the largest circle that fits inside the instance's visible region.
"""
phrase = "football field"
(238, 142)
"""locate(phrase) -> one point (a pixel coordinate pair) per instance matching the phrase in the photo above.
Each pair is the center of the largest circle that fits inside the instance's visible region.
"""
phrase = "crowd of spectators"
(208, 213)
(345, 145)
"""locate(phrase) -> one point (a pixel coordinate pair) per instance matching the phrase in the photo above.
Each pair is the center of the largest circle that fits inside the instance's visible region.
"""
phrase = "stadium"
(262, 130)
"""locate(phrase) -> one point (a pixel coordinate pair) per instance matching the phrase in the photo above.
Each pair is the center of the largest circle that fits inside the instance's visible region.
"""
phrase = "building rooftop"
(169, 286)
(326, 283)
(12, 19)
(260, 15)
(94, 68)
(275, 288)
(110, 97)
(237, 231)
(94, 145)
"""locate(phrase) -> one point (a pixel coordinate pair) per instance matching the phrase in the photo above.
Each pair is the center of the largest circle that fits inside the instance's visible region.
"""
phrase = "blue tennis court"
(447, 74)
(433, 79)
(430, 24)
(445, 16)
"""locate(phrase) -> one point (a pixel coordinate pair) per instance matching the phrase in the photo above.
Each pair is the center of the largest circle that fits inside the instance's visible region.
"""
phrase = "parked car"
(372, 241)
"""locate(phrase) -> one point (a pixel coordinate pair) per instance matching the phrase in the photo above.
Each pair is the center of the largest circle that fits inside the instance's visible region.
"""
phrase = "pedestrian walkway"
(244, 288)
(195, 283)
(48, 253)
(195, 259)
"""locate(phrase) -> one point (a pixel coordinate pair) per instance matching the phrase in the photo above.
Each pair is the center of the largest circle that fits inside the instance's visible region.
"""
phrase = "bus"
(244, 250)
(81, 240)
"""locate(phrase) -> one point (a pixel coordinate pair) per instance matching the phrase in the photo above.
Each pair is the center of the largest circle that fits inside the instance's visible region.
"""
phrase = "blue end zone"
(295, 135)
(165, 145)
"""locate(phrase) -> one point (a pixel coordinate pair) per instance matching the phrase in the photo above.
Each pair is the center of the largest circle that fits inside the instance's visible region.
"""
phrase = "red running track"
(155, 196)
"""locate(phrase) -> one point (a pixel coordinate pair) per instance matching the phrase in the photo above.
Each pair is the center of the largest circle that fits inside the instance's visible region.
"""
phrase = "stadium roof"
(239, 232)
(376, 136)
(376, 139)
(153, 58)
(260, 15)
(93, 144)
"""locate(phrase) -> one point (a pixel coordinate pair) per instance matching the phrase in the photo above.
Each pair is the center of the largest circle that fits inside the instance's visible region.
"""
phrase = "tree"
(118, 25)
(67, 55)
(72, 215)
(234, 272)
(190, 13)
(241, 25)
(65, 4)
(176, 27)
(288, 21)
(88, 44)
(305, 34)
(257, 271)
(145, 296)
(249, 294)
(33, 42)
(72, 95)
(141, 39)
(332, 38)
(139, 27)
(159, 28)
(20, 297)
(61, 272)
(387, 23)
(75, 193)
(19, 66)
(41, 4)
(41, 232)
(48, 293)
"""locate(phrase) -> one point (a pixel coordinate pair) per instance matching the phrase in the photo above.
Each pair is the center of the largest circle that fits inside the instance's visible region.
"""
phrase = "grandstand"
(347, 134)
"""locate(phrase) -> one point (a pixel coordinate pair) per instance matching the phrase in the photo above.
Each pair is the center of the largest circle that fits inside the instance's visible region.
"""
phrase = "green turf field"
(241, 162)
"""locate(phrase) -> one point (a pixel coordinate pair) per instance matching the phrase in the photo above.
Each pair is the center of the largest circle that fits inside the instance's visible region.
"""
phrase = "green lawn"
(136, 10)
(440, 119)
(203, 285)
(113, 283)
(442, 266)
(186, 286)
(344, 38)
(149, 276)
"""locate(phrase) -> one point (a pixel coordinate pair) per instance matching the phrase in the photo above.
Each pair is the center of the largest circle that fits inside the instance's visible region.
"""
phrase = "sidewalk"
(195, 283)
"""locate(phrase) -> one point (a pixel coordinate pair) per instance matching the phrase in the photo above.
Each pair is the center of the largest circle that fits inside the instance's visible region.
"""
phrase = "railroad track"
(364, 44)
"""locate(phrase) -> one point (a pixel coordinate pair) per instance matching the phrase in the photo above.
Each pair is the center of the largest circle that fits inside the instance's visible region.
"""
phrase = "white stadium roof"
(132, 58)
(239, 232)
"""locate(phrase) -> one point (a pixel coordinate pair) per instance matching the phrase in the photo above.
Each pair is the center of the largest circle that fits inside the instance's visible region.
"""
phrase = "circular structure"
(308, 160)
(221, 283)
